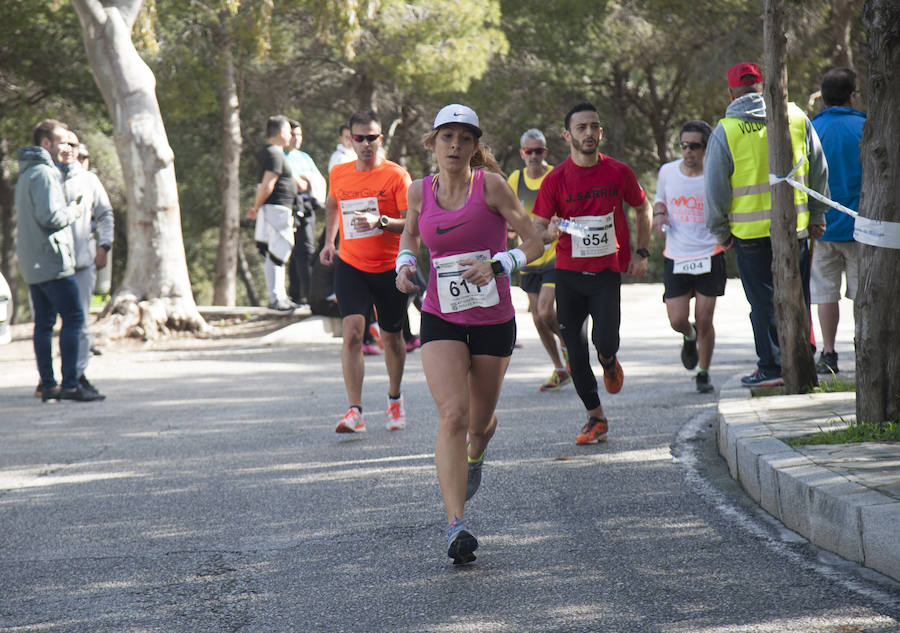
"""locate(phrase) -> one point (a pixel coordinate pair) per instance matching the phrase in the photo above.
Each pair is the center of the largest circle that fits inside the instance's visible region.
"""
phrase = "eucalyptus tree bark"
(877, 325)
(155, 294)
(797, 362)
(225, 289)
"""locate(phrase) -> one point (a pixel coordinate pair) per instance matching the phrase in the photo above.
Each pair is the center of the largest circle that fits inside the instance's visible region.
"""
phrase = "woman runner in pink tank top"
(468, 321)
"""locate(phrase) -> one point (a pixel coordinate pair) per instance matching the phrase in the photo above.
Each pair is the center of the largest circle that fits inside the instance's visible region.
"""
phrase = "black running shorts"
(487, 340)
(357, 291)
(711, 284)
(532, 282)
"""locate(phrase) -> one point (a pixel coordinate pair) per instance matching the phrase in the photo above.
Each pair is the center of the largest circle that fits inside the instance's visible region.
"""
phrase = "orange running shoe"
(375, 333)
(352, 422)
(594, 431)
(613, 377)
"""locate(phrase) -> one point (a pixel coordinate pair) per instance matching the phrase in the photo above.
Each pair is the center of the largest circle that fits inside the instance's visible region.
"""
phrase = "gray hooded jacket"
(45, 246)
(718, 166)
(97, 216)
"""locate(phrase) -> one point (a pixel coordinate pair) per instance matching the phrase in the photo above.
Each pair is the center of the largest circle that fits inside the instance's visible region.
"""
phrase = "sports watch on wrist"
(643, 252)
(497, 268)
(383, 221)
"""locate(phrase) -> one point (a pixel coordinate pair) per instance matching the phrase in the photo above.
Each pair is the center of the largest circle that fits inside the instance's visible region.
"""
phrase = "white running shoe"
(396, 415)
(352, 422)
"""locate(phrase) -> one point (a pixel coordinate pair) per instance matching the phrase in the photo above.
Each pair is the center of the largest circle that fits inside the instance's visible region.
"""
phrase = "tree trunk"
(225, 288)
(877, 325)
(366, 93)
(842, 14)
(155, 294)
(246, 277)
(614, 131)
(659, 118)
(791, 314)
(9, 262)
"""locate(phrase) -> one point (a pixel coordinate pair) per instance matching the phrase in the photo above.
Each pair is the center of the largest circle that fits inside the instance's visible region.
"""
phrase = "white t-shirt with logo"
(687, 235)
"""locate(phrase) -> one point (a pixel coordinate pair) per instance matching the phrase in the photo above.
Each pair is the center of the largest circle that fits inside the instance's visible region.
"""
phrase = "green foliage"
(430, 45)
(647, 66)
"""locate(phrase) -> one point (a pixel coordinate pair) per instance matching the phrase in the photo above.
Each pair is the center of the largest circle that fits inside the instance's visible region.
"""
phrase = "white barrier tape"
(877, 232)
(867, 231)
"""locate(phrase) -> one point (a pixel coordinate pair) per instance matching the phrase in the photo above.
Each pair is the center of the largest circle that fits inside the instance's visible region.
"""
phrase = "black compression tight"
(577, 297)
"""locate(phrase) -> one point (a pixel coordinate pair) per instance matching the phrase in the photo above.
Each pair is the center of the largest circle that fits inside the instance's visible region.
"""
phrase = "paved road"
(209, 493)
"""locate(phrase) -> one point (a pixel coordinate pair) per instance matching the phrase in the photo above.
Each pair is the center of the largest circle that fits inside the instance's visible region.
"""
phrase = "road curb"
(843, 509)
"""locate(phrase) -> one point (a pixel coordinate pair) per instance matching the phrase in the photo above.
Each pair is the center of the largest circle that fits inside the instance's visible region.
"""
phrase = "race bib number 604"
(455, 293)
(695, 266)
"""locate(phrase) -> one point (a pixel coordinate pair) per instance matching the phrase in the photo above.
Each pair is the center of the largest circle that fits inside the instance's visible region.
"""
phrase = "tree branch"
(90, 10)
(129, 9)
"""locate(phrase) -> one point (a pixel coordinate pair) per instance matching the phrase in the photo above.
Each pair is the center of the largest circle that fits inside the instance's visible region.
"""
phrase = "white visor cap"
(456, 113)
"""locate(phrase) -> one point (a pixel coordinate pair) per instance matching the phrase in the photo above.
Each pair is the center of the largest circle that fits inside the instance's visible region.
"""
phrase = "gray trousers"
(85, 278)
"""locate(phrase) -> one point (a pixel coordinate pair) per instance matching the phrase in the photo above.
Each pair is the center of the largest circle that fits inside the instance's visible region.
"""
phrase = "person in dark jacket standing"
(46, 253)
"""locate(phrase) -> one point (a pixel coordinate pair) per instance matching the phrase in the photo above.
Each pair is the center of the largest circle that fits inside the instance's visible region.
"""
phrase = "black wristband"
(643, 252)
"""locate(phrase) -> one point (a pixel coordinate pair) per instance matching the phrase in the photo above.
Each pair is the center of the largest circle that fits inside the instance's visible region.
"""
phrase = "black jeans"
(300, 264)
(754, 261)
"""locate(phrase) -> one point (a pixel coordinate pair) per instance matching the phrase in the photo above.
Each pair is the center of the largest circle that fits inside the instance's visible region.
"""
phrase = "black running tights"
(578, 296)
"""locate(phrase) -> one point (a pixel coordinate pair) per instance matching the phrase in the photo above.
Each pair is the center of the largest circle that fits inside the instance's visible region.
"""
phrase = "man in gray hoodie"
(90, 253)
(737, 204)
(46, 253)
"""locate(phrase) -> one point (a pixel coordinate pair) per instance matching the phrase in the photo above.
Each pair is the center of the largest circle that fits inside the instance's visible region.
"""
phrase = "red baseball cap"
(744, 68)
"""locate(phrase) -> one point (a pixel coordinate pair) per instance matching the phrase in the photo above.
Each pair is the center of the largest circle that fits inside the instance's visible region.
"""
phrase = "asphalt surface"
(209, 492)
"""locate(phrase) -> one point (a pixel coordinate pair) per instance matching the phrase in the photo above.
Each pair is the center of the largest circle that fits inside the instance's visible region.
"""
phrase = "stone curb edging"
(834, 512)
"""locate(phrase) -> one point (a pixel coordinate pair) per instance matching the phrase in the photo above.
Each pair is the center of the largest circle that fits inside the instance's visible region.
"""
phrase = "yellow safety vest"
(750, 214)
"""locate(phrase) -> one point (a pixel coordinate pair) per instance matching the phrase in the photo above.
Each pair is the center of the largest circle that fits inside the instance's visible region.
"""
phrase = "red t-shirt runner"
(578, 193)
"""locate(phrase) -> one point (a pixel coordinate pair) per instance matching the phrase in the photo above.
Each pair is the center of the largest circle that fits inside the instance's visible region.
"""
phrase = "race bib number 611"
(455, 293)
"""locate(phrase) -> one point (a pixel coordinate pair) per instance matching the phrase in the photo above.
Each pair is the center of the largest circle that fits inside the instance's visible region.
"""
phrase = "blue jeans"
(49, 299)
(754, 261)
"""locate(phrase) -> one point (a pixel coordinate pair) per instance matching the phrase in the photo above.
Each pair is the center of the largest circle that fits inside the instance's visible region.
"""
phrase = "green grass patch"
(859, 432)
(831, 384)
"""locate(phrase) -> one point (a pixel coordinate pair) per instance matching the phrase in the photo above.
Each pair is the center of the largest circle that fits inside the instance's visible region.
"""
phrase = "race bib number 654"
(599, 237)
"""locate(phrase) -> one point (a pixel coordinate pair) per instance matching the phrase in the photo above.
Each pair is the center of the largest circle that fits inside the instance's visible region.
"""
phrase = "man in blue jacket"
(46, 252)
(839, 127)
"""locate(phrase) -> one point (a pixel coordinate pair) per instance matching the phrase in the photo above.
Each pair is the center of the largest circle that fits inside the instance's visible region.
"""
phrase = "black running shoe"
(47, 393)
(827, 363)
(703, 383)
(80, 394)
(689, 356)
(86, 384)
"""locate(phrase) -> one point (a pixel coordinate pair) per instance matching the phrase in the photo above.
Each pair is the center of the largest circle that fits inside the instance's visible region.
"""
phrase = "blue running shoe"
(474, 480)
(761, 378)
(461, 543)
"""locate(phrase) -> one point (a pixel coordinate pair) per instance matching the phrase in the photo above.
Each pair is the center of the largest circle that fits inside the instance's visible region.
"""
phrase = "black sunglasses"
(693, 146)
(359, 138)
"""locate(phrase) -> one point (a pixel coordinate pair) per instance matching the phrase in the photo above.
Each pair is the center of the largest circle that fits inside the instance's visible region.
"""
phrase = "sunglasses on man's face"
(359, 138)
(534, 150)
(692, 146)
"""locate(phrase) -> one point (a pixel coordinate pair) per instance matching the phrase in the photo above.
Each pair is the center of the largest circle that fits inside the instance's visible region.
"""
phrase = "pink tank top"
(473, 227)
